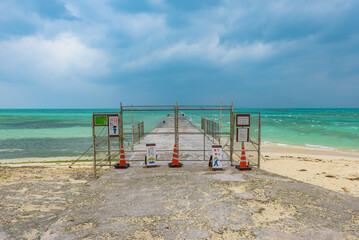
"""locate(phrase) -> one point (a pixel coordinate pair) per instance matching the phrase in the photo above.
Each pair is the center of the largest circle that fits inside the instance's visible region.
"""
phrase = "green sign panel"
(101, 120)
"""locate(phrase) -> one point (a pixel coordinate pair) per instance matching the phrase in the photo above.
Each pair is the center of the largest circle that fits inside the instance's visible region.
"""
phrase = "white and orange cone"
(122, 163)
(243, 163)
(175, 163)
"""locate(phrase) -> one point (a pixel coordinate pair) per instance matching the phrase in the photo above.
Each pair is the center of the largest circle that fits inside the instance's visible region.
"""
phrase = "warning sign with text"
(243, 120)
(113, 126)
(217, 160)
(242, 134)
(151, 154)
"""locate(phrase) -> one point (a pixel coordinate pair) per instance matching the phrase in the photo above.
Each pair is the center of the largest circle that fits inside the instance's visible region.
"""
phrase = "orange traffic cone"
(243, 163)
(175, 163)
(122, 163)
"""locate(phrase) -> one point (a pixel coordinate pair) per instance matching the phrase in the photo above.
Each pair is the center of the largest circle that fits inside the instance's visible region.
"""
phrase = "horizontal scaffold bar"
(148, 106)
(164, 160)
(245, 112)
(194, 133)
(105, 113)
(140, 110)
(171, 150)
(223, 109)
(223, 106)
(172, 109)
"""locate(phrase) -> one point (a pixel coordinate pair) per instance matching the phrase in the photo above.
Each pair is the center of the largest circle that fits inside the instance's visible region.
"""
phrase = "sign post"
(217, 157)
(243, 120)
(151, 156)
(113, 129)
(242, 134)
(100, 120)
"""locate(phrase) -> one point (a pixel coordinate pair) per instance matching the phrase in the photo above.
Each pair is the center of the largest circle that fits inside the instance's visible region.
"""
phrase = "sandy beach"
(43, 197)
(46, 189)
(331, 169)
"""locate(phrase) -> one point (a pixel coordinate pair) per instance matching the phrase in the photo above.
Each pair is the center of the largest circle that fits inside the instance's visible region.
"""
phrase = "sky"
(254, 53)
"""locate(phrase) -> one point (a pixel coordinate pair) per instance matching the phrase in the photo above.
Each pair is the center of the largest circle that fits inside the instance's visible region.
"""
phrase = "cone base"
(117, 165)
(243, 169)
(175, 165)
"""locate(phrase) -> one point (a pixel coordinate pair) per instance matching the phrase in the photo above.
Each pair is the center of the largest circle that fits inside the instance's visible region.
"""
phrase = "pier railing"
(210, 128)
(133, 134)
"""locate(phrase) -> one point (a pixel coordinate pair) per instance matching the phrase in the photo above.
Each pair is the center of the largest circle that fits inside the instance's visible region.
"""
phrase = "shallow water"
(54, 132)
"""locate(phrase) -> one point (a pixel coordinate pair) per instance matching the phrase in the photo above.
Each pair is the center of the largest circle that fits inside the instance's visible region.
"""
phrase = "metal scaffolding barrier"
(212, 124)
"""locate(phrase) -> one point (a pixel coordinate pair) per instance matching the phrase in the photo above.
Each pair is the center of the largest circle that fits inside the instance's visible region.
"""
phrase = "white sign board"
(151, 154)
(113, 126)
(242, 134)
(217, 159)
(243, 120)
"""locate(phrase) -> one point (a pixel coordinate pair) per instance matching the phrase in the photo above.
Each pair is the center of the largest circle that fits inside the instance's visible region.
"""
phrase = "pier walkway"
(193, 202)
(165, 141)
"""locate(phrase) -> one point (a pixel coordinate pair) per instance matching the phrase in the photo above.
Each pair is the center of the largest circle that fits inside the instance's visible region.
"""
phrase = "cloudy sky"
(256, 53)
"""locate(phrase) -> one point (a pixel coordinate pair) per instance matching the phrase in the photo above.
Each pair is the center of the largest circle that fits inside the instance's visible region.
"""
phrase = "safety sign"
(101, 120)
(217, 159)
(242, 134)
(243, 120)
(151, 154)
(113, 126)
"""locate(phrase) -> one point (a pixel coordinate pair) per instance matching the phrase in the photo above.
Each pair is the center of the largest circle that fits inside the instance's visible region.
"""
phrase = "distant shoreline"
(288, 148)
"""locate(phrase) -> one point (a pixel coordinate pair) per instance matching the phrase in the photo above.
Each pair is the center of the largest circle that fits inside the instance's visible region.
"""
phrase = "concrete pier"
(165, 141)
(193, 202)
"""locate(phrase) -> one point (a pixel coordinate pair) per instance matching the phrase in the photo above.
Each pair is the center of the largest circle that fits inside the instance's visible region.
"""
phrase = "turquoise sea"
(67, 132)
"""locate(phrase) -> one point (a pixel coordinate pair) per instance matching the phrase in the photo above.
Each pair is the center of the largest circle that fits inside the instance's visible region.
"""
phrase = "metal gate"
(193, 128)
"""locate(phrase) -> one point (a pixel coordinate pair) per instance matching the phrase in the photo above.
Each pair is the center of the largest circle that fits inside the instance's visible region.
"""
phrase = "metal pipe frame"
(181, 133)
(171, 150)
(144, 110)
(94, 144)
(155, 106)
(148, 106)
(258, 144)
(204, 109)
(174, 110)
(169, 160)
(169, 109)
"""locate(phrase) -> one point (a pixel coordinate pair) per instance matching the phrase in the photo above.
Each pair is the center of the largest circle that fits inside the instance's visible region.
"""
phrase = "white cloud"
(111, 44)
(204, 50)
(140, 25)
(61, 59)
(72, 9)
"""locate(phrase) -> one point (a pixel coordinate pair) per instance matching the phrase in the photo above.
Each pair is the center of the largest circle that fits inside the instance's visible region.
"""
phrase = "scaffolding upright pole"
(109, 150)
(259, 142)
(132, 126)
(232, 135)
(94, 144)
(121, 126)
(220, 123)
(176, 127)
(204, 147)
